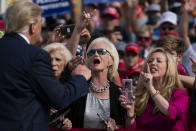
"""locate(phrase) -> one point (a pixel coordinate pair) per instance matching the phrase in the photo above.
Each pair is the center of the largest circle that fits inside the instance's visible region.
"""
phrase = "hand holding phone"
(67, 30)
(127, 90)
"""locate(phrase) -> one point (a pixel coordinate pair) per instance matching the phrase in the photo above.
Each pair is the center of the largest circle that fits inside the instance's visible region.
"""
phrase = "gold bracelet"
(156, 93)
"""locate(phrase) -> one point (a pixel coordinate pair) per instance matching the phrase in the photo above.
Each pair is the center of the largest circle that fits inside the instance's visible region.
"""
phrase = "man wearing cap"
(133, 63)
(168, 24)
(110, 18)
(154, 14)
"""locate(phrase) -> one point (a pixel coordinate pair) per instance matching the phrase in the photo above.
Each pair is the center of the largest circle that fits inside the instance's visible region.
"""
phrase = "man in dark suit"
(28, 87)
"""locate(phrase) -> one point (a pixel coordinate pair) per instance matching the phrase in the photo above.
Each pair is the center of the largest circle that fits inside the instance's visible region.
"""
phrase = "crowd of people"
(68, 72)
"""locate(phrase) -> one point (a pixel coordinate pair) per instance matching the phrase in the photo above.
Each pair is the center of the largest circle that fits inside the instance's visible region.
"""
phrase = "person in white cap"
(168, 24)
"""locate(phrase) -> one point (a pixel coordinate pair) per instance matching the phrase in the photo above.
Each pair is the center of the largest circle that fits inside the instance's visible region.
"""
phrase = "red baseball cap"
(132, 47)
(111, 11)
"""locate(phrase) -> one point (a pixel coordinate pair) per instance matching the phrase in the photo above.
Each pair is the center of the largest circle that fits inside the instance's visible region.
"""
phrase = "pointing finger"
(148, 69)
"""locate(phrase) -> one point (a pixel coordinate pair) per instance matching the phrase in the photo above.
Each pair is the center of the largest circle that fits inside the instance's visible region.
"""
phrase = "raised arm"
(80, 25)
(164, 5)
(183, 26)
(130, 16)
(187, 80)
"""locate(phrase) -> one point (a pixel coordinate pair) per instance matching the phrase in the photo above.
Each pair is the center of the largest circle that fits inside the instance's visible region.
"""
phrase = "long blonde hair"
(170, 83)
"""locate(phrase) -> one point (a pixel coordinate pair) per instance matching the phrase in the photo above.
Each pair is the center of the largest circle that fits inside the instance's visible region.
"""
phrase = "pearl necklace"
(99, 90)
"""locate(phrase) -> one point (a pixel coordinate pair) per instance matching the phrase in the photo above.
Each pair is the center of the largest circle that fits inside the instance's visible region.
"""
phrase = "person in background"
(168, 24)
(187, 7)
(176, 47)
(144, 39)
(133, 63)
(120, 47)
(160, 101)
(28, 85)
(154, 14)
(102, 59)
(110, 19)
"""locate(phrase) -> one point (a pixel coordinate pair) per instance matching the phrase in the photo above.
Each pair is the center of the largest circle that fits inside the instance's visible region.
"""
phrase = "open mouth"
(96, 61)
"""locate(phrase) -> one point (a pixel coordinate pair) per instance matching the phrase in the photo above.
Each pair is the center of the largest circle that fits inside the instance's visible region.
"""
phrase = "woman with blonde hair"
(160, 101)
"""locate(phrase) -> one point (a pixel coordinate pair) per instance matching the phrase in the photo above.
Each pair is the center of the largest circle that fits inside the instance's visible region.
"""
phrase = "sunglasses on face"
(99, 51)
(143, 38)
(167, 28)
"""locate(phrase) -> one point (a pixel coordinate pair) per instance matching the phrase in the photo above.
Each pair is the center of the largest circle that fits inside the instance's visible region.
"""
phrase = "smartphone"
(127, 89)
(67, 30)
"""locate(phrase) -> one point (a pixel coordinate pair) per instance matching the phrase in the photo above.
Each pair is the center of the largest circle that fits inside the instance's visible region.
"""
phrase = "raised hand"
(193, 65)
(190, 5)
(132, 3)
(147, 78)
(84, 20)
(85, 36)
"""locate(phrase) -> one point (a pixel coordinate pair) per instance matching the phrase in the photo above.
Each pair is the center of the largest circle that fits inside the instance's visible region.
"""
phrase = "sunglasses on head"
(99, 51)
(169, 28)
(143, 38)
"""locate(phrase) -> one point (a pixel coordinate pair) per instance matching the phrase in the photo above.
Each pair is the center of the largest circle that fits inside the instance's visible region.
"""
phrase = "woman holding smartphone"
(100, 108)
(160, 101)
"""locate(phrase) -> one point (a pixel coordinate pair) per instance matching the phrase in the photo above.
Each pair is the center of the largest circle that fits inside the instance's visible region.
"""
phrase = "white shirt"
(24, 37)
(95, 105)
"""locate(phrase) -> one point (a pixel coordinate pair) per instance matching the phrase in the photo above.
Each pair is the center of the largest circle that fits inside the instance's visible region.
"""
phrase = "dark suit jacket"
(28, 87)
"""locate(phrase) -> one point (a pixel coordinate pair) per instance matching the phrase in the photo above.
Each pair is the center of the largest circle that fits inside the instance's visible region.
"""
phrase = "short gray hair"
(112, 50)
(60, 47)
(20, 15)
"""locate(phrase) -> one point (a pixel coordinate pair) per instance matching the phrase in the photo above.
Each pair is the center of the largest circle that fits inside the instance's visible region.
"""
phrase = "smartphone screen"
(67, 30)
(127, 90)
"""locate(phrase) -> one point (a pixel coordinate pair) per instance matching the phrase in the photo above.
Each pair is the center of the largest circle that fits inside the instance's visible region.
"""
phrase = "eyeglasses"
(143, 38)
(99, 51)
(167, 28)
